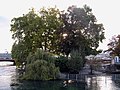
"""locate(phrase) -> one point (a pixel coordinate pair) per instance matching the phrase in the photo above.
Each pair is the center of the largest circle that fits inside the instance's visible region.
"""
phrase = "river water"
(8, 75)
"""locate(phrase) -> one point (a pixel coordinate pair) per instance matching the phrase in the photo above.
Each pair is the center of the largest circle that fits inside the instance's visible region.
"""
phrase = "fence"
(76, 77)
(116, 77)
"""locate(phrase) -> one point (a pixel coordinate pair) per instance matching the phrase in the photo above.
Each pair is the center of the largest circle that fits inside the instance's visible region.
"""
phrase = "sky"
(106, 11)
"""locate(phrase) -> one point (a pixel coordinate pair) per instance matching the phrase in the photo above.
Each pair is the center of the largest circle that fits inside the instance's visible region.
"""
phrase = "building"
(5, 56)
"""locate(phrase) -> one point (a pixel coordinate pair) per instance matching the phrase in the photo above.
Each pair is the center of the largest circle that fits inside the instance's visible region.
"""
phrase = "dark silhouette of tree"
(82, 29)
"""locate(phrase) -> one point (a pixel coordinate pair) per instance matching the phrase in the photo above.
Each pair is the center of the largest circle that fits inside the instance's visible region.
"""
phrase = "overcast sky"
(106, 11)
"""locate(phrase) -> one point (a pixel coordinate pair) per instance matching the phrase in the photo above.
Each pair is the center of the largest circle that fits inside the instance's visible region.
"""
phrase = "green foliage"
(40, 67)
(41, 55)
(36, 34)
(35, 30)
(40, 70)
(75, 63)
(19, 53)
(61, 62)
(82, 29)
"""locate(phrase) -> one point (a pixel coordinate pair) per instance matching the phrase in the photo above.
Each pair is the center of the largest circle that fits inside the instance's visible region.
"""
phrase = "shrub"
(61, 62)
(75, 63)
(40, 66)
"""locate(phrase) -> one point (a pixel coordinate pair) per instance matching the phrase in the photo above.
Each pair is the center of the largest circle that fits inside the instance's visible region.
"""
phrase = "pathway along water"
(8, 76)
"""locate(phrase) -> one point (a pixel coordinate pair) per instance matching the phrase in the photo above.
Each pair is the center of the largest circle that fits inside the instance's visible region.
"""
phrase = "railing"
(76, 77)
(116, 77)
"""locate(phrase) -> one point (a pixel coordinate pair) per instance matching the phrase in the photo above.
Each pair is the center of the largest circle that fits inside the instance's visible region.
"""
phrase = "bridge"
(7, 60)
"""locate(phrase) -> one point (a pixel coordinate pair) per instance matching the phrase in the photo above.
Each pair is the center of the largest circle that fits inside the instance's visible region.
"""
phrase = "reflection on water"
(8, 76)
(102, 83)
(48, 85)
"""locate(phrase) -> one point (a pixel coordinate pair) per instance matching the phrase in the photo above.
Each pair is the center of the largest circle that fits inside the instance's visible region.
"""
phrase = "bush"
(75, 63)
(41, 55)
(61, 62)
(40, 66)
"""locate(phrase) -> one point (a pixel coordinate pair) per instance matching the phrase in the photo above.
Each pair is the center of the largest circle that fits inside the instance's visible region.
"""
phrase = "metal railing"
(76, 77)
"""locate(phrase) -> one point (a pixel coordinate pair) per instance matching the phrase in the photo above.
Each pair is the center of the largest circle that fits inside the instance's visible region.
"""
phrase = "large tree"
(24, 30)
(57, 32)
(35, 30)
(80, 29)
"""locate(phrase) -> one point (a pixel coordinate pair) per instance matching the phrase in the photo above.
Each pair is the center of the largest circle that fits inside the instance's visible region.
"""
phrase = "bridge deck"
(8, 60)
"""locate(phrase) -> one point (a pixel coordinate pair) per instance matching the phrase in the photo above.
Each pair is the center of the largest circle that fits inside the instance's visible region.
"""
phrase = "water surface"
(8, 75)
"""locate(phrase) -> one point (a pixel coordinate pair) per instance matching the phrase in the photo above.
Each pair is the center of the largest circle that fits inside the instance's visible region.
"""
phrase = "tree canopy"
(35, 30)
(82, 30)
(55, 31)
